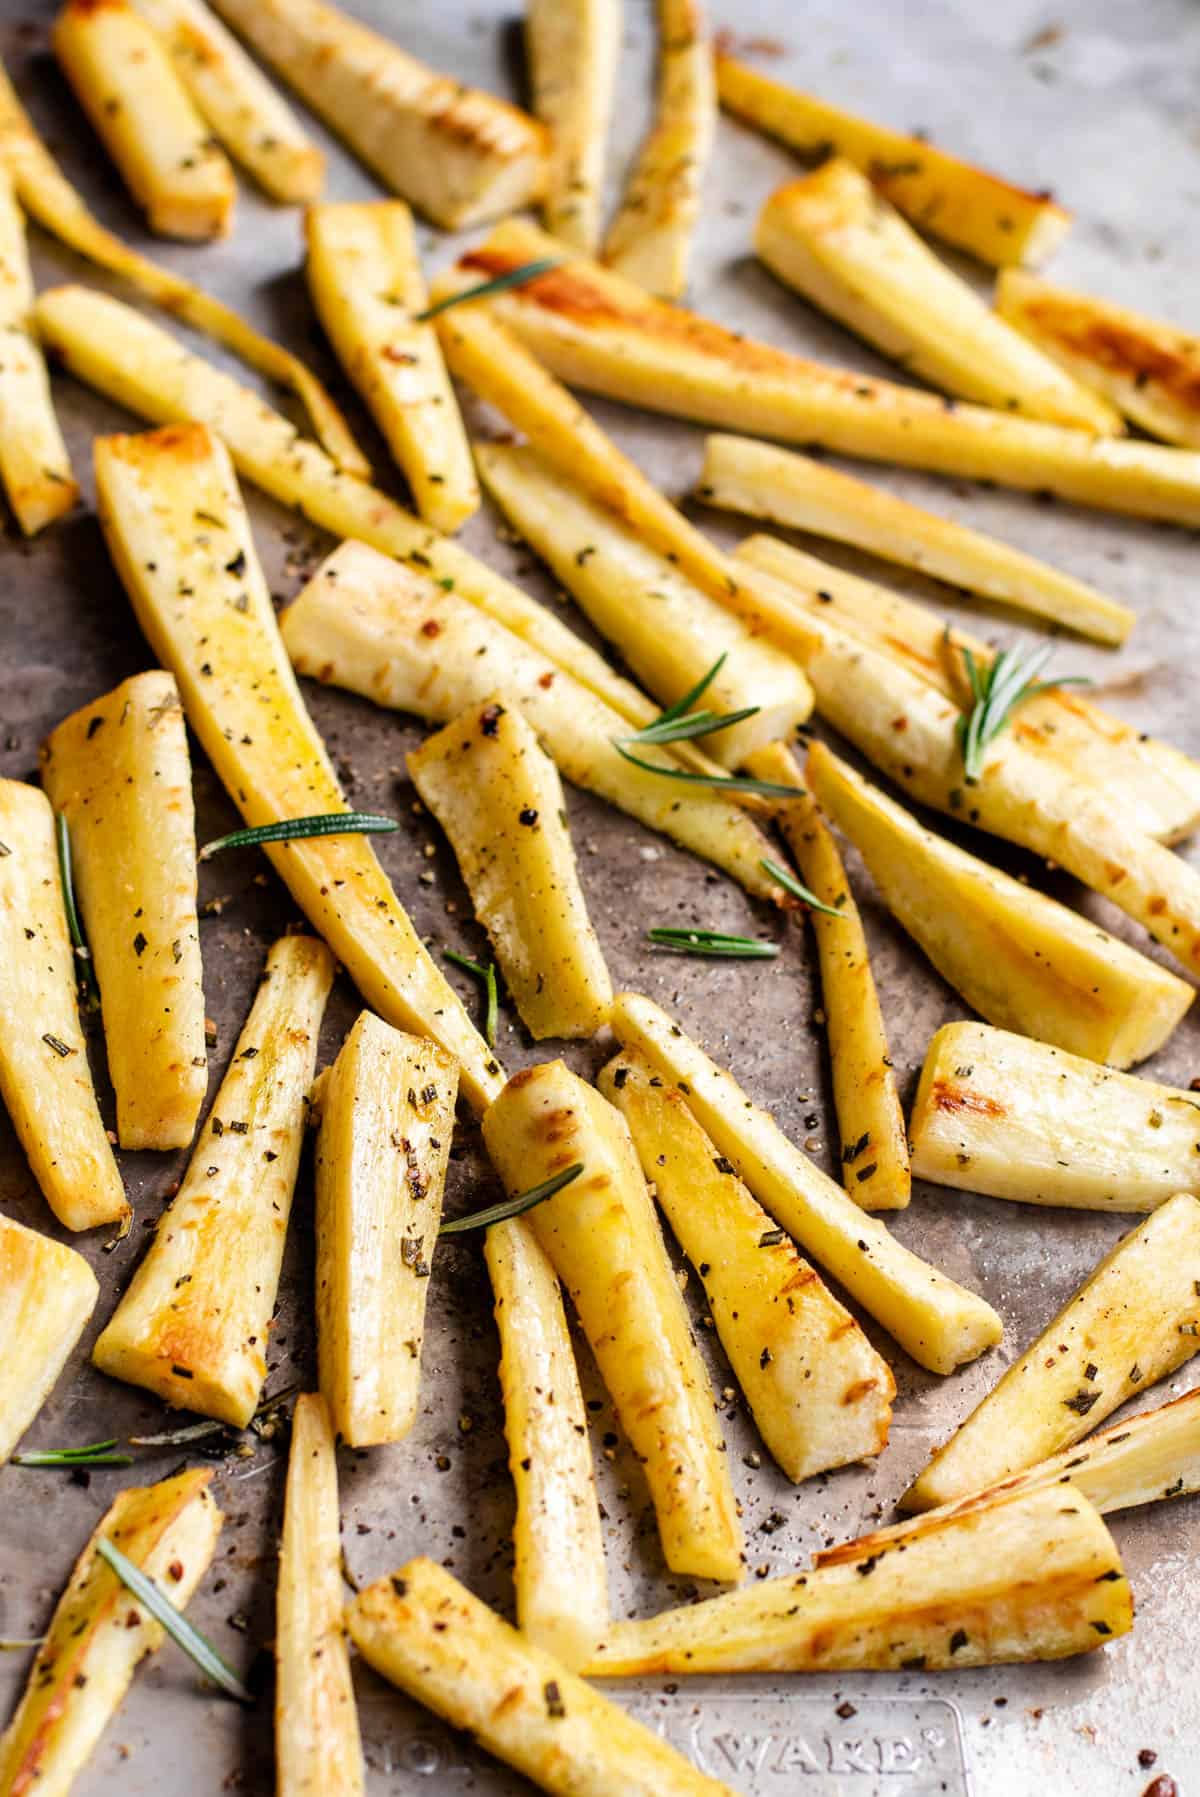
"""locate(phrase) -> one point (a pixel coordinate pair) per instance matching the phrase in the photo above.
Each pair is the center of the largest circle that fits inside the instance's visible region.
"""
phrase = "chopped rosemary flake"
(713, 943)
(295, 829)
(791, 884)
(512, 277)
(83, 956)
(173, 1621)
(513, 1207)
(488, 975)
(97, 1453)
(995, 693)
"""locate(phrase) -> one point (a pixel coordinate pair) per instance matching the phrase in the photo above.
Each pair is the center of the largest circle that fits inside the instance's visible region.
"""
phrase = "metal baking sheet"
(1098, 102)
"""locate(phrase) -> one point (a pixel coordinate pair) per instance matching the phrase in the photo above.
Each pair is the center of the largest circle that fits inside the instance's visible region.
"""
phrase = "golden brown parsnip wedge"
(1153, 785)
(317, 1748)
(426, 1633)
(819, 1392)
(603, 1239)
(497, 795)
(1032, 1577)
(47, 1294)
(194, 1322)
(572, 47)
(124, 79)
(237, 102)
(939, 1323)
(1134, 1320)
(34, 464)
(455, 153)
(119, 771)
(650, 239)
(834, 238)
(99, 1632)
(1020, 959)
(596, 330)
(178, 533)
(952, 199)
(387, 1118)
(44, 1076)
(397, 637)
(666, 628)
(1149, 370)
(557, 1524)
(874, 1146)
(787, 488)
(366, 283)
(999, 1114)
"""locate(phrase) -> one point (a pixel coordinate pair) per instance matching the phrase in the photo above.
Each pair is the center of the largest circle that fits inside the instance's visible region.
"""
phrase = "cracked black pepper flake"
(620, 1076)
(555, 1707)
(400, 1587)
(722, 1165)
(528, 816)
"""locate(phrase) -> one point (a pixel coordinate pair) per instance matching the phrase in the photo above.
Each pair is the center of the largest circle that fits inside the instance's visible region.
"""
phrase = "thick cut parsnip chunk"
(573, 46)
(178, 533)
(47, 1294)
(834, 238)
(1032, 1577)
(455, 153)
(557, 1526)
(996, 1113)
(936, 1321)
(394, 635)
(366, 283)
(596, 330)
(1149, 370)
(650, 239)
(874, 1147)
(99, 1632)
(194, 1322)
(119, 772)
(125, 81)
(426, 1633)
(819, 1392)
(603, 1238)
(34, 464)
(387, 1118)
(1135, 1319)
(44, 1076)
(952, 199)
(317, 1748)
(1019, 958)
(497, 795)
(666, 628)
(237, 102)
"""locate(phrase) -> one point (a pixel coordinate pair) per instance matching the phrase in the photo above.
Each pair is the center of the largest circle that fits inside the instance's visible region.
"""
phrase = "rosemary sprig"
(294, 829)
(13, 1646)
(512, 277)
(83, 954)
(181, 1631)
(181, 1438)
(995, 693)
(769, 789)
(679, 723)
(97, 1453)
(513, 1207)
(787, 879)
(488, 976)
(713, 943)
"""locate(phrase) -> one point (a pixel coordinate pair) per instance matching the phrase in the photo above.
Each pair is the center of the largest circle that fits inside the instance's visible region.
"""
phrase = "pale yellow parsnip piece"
(47, 1294)
(34, 464)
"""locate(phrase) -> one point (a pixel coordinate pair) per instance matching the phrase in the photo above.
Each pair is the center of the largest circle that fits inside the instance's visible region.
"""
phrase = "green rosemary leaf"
(83, 954)
(295, 829)
(512, 277)
(97, 1453)
(696, 723)
(722, 782)
(996, 693)
(181, 1631)
(487, 974)
(181, 1438)
(513, 1207)
(790, 883)
(9, 1646)
(689, 699)
(713, 944)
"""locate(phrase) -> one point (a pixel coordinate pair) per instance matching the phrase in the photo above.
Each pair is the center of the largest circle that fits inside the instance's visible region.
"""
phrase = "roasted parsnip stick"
(317, 1748)
(603, 1239)
(573, 46)
(194, 1322)
(178, 533)
(545, 1424)
(453, 152)
(99, 1632)
(498, 797)
(1135, 1319)
(119, 772)
(424, 1631)
(820, 1394)
(47, 1294)
(996, 1113)
(1019, 958)
(954, 200)
(366, 283)
(387, 1118)
(874, 1147)
(936, 1321)
(44, 1076)
(34, 464)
